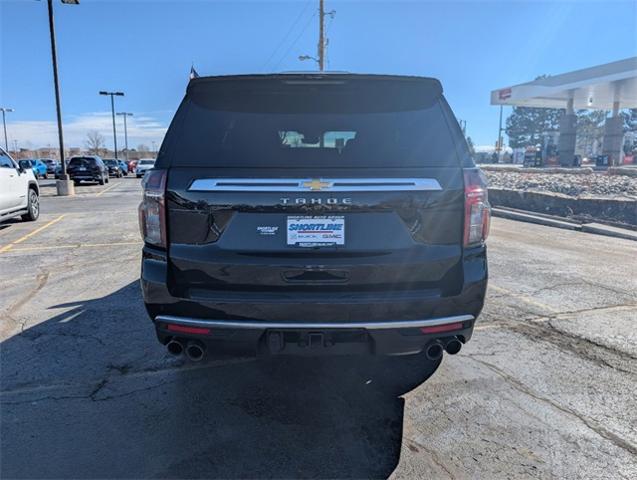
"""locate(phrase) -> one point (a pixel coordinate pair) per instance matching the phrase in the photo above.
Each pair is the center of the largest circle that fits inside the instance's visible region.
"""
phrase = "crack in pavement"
(41, 280)
(591, 424)
(580, 282)
(541, 325)
(432, 454)
(124, 371)
(90, 396)
(31, 335)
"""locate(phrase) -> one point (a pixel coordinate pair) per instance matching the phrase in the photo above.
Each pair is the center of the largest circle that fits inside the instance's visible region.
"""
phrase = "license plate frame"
(315, 231)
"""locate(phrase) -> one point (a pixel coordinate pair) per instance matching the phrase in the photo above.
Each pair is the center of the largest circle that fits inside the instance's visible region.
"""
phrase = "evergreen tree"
(526, 126)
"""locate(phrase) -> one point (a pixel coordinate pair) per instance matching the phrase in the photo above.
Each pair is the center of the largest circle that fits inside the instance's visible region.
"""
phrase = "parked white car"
(19, 190)
(143, 165)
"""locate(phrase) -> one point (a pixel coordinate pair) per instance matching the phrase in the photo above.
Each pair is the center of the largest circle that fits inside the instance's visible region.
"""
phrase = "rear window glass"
(314, 126)
(82, 161)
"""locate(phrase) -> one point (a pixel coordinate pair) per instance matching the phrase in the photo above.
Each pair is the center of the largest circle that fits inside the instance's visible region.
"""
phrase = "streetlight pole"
(113, 95)
(4, 125)
(125, 114)
(64, 185)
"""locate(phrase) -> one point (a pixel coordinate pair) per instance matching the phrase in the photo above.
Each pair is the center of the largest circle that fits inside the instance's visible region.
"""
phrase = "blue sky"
(145, 48)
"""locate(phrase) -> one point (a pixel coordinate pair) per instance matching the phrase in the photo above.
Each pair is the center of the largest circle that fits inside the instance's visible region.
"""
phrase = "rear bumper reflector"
(186, 329)
(203, 324)
(442, 328)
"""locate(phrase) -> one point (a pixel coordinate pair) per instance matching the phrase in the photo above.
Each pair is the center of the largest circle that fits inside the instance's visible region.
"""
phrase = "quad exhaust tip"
(434, 351)
(195, 350)
(175, 347)
(453, 346)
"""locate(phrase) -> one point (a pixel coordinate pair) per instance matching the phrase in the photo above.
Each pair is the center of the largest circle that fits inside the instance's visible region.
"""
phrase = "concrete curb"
(600, 229)
(530, 218)
(595, 228)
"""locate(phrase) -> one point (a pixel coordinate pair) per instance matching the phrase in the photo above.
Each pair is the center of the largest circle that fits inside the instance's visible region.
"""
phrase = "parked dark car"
(51, 165)
(314, 214)
(87, 168)
(114, 168)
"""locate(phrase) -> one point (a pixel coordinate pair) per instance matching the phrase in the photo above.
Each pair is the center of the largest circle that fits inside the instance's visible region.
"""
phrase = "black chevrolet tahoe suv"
(314, 213)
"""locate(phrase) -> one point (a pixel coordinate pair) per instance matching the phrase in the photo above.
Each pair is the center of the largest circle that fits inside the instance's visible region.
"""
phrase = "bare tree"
(143, 148)
(94, 142)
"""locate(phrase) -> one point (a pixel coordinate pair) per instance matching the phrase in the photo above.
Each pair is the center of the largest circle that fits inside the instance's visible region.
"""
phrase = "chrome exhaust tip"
(434, 351)
(453, 346)
(175, 347)
(195, 350)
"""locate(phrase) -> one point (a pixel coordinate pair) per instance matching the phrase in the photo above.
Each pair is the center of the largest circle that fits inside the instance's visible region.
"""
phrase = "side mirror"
(20, 169)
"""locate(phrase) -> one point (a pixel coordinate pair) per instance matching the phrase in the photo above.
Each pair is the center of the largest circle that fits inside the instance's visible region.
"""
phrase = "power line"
(295, 41)
(285, 37)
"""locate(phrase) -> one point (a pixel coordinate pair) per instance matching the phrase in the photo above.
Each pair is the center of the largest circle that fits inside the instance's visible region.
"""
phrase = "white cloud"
(35, 134)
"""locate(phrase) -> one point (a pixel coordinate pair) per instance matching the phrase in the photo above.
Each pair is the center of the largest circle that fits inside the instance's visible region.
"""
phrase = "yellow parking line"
(8, 247)
(77, 245)
(106, 190)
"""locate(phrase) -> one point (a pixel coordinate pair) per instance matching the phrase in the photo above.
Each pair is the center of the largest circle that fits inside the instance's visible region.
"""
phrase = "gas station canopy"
(603, 87)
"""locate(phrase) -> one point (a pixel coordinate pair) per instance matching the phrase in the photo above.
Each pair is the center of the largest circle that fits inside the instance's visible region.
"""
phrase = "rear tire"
(101, 180)
(33, 206)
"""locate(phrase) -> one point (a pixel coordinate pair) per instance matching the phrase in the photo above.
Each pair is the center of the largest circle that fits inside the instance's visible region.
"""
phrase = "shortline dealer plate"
(316, 231)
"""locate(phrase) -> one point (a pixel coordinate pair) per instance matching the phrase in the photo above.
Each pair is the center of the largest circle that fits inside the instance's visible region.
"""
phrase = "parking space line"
(8, 247)
(77, 245)
(106, 189)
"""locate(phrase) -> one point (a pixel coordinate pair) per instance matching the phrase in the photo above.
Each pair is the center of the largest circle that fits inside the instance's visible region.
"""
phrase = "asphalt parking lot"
(546, 387)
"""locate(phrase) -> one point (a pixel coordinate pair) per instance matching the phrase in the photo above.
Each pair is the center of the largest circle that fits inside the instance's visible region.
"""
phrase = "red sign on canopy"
(504, 93)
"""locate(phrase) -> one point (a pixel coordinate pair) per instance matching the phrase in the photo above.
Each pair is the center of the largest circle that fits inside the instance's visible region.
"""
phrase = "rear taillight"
(152, 210)
(477, 211)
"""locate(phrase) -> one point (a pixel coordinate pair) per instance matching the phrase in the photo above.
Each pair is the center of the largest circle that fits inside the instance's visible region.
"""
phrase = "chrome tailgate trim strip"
(314, 184)
(254, 325)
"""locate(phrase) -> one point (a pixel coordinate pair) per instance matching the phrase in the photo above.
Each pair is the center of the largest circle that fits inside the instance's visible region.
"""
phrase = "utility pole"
(113, 95)
(4, 125)
(125, 114)
(322, 41)
(321, 44)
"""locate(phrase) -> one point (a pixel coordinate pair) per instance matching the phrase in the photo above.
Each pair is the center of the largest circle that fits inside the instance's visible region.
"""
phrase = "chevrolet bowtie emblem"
(316, 185)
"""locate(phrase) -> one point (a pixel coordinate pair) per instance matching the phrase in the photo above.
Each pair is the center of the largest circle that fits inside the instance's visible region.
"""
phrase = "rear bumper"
(379, 323)
(301, 338)
(85, 176)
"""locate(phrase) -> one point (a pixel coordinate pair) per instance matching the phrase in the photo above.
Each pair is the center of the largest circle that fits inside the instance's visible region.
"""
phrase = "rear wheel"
(33, 206)
(101, 180)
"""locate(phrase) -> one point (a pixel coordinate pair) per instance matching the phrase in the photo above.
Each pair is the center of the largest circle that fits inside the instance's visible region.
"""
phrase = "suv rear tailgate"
(237, 240)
